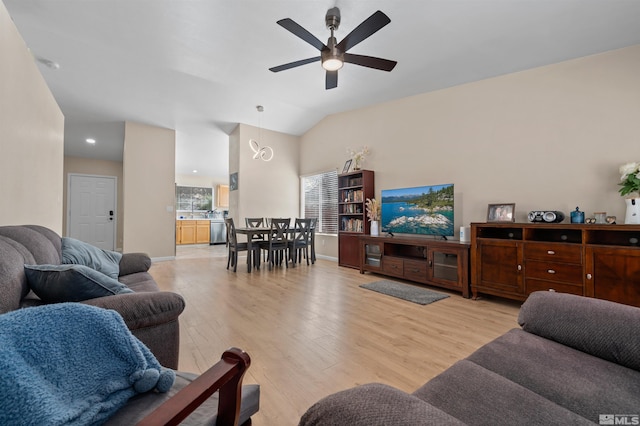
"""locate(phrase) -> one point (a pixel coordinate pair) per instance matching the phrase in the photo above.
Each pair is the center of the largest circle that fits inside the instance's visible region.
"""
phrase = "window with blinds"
(320, 200)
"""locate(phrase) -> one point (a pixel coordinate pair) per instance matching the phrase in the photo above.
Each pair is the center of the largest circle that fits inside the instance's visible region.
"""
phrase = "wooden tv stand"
(440, 263)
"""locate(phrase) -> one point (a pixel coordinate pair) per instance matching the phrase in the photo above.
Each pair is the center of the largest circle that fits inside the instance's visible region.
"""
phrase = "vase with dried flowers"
(373, 214)
(630, 189)
(358, 156)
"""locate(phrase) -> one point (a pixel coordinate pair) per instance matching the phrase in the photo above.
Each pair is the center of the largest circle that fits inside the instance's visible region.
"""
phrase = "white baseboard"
(162, 259)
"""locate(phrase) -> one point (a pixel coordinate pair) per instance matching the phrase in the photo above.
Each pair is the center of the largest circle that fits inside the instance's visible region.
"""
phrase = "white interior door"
(92, 210)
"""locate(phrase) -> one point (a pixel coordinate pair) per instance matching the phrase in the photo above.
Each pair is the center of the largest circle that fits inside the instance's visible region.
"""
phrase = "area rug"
(408, 292)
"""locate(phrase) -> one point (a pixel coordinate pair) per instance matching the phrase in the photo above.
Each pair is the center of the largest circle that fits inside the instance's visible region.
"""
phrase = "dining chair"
(234, 247)
(314, 224)
(277, 242)
(301, 241)
(255, 222)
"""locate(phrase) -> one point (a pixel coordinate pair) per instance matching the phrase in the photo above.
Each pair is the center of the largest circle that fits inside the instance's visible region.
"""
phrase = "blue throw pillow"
(81, 253)
(71, 283)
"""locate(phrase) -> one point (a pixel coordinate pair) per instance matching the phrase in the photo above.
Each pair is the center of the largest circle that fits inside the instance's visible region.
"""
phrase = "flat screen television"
(426, 210)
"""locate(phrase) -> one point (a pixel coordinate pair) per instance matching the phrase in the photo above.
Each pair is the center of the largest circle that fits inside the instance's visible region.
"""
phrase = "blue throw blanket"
(71, 364)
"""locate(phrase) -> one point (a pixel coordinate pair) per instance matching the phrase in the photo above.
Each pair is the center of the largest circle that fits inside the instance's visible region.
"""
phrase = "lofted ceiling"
(201, 66)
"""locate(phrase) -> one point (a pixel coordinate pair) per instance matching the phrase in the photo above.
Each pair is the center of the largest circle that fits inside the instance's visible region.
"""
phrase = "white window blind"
(320, 200)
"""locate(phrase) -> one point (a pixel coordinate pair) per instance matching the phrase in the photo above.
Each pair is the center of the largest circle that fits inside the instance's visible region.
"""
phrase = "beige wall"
(547, 138)
(149, 190)
(31, 137)
(265, 188)
(90, 166)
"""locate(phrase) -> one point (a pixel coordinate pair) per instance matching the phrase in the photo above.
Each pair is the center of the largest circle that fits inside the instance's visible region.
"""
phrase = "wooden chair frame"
(225, 377)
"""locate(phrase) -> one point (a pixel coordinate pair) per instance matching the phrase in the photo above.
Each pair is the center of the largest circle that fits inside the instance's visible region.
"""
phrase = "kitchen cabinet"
(192, 231)
(222, 196)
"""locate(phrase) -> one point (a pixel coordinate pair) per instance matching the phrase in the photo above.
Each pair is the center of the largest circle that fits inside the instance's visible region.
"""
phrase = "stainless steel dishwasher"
(218, 232)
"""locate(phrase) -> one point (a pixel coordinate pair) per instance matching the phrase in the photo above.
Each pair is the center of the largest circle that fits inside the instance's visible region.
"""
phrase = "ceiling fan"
(333, 55)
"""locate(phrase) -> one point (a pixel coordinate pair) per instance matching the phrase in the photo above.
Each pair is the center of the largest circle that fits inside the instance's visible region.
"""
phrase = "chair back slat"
(231, 232)
(279, 230)
(255, 222)
(303, 231)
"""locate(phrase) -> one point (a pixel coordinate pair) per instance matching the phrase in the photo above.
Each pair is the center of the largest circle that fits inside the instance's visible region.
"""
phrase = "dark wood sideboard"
(424, 260)
(512, 260)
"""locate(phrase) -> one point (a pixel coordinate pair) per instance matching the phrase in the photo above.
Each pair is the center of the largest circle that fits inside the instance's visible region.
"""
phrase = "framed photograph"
(501, 212)
(233, 181)
(347, 165)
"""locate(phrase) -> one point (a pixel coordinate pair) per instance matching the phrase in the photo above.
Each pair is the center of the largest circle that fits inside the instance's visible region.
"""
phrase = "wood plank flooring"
(311, 331)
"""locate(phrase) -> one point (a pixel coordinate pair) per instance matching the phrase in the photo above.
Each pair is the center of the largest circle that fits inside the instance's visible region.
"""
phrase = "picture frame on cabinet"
(347, 166)
(504, 212)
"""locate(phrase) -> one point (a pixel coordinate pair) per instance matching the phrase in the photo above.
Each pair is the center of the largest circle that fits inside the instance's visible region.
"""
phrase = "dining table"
(265, 230)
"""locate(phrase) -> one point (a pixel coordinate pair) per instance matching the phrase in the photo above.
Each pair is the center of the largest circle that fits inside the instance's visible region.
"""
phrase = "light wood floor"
(311, 331)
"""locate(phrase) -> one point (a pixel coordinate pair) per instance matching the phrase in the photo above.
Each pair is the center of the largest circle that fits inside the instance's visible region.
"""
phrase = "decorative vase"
(632, 217)
(374, 230)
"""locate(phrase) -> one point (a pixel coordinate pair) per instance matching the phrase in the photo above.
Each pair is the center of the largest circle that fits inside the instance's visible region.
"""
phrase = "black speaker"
(547, 216)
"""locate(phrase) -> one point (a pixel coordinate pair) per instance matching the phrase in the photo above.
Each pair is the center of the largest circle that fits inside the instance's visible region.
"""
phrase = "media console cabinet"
(512, 260)
(440, 263)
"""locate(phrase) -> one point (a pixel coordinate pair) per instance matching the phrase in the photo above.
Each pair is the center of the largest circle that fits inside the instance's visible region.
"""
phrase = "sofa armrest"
(225, 376)
(608, 330)
(374, 404)
(145, 309)
(134, 262)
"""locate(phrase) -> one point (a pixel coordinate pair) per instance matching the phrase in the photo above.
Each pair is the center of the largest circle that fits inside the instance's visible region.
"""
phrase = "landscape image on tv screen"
(424, 210)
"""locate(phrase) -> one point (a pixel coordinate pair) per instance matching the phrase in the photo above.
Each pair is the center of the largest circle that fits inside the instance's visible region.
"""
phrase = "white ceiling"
(201, 66)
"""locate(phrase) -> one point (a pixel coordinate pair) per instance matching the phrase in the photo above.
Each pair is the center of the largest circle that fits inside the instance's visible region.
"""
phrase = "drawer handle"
(415, 270)
(551, 271)
(552, 290)
(551, 252)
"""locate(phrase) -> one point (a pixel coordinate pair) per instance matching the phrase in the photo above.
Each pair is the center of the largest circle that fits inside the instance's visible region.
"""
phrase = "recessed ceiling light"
(91, 140)
(195, 171)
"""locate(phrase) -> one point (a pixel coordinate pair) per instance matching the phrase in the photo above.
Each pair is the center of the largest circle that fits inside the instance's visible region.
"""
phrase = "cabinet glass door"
(372, 255)
(445, 266)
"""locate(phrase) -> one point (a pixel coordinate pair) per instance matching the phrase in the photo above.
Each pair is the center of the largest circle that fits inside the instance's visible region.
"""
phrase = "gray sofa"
(150, 314)
(575, 361)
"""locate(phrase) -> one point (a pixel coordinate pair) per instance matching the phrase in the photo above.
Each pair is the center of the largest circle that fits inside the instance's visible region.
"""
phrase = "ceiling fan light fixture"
(332, 64)
(332, 58)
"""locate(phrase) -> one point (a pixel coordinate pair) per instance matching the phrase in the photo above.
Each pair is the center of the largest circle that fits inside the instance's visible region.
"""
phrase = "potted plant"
(358, 157)
(373, 214)
(630, 189)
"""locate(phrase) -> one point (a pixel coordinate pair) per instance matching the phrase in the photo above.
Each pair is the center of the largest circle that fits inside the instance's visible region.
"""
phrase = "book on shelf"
(353, 195)
(355, 181)
(352, 209)
(351, 225)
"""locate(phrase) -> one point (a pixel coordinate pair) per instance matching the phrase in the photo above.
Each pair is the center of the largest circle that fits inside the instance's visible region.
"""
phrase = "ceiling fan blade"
(370, 61)
(332, 80)
(294, 64)
(367, 28)
(297, 30)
